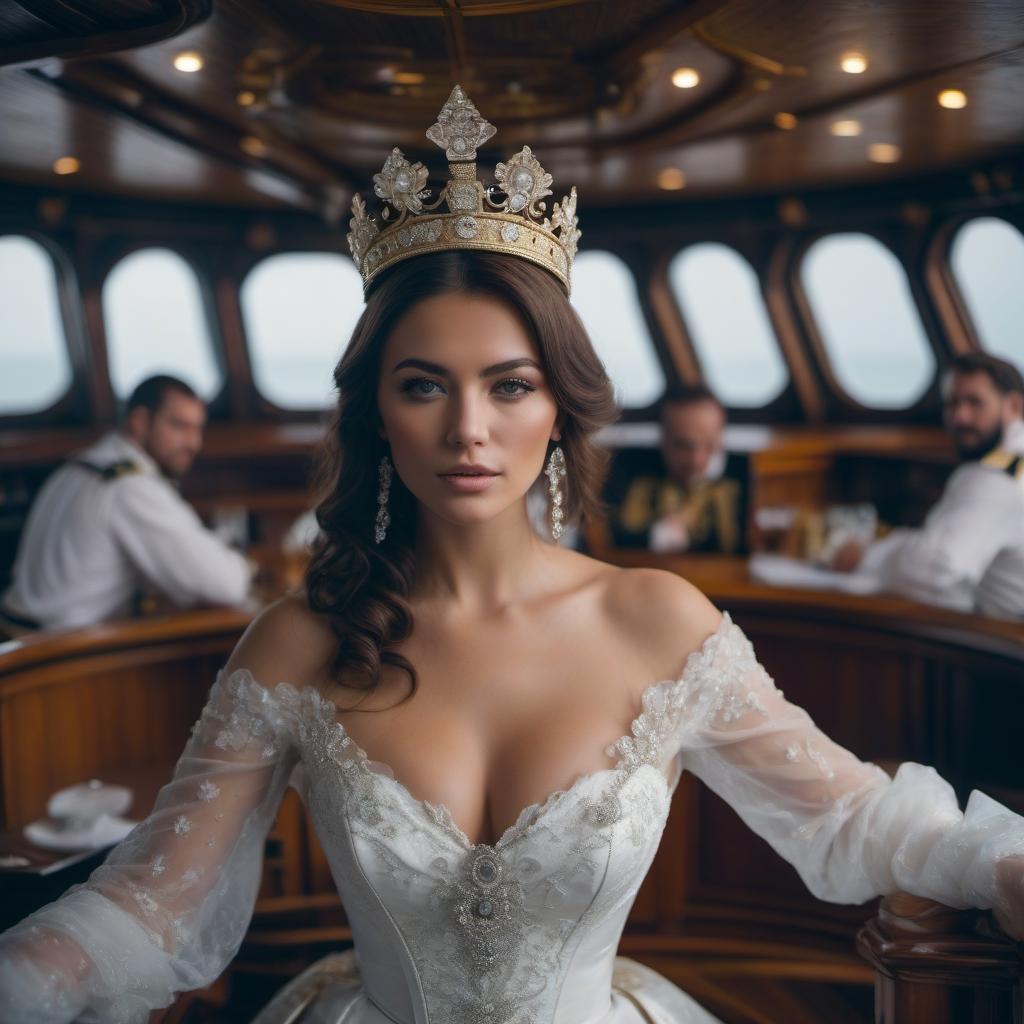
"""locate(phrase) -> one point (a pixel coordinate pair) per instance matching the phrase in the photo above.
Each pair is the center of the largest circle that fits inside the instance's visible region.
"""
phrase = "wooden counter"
(719, 913)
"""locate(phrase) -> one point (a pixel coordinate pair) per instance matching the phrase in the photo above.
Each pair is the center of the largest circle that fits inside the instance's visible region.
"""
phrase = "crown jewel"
(507, 217)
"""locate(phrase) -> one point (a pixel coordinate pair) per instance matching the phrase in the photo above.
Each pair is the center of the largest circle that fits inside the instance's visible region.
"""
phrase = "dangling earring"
(383, 520)
(555, 472)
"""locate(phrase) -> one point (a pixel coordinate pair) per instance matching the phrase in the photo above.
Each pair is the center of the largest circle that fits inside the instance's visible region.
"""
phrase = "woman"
(445, 691)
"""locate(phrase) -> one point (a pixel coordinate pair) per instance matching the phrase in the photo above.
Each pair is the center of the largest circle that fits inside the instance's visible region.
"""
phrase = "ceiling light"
(846, 129)
(853, 63)
(66, 165)
(953, 99)
(685, 78)
(253, 146)
(189, 61)
(784, 121)
(884, 153)
(671, 178)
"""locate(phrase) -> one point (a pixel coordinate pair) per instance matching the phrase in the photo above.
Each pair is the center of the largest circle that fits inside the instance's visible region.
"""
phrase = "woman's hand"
(1010, 889)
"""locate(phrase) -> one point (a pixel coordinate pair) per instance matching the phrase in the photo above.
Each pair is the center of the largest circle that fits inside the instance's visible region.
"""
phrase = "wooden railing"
(720, 913)
(935, 965)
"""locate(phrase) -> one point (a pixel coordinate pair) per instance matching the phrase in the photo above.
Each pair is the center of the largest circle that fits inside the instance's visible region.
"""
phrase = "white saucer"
(104, 831)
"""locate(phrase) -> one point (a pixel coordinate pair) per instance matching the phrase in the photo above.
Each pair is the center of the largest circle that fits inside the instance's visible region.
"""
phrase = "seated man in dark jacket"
(691, 498)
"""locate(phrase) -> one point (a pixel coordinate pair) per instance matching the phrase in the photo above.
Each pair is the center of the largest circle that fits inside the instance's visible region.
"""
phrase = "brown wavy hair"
(363, 587)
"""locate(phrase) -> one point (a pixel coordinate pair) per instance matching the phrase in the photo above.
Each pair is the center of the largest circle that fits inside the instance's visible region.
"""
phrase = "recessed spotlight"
(671, 179)
(246, 98)
(784, 121)
(189, 62)
(66, 165)
(853, 63)
(884, 153)
(253, 146)
(685, 78)
(845, 129)
(953, 99)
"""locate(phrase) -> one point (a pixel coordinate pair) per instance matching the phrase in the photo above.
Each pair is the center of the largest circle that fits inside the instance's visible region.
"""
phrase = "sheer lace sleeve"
(849, 830)
(170, 905)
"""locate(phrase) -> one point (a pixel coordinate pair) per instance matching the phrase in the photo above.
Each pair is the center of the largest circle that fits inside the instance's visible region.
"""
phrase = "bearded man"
(969, 554)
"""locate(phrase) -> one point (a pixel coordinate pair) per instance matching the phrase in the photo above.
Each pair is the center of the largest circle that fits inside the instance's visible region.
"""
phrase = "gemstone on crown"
(460, 128)
(507, 217)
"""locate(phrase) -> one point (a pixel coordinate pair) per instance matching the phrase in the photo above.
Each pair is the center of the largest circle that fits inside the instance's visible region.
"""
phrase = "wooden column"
(941, 966)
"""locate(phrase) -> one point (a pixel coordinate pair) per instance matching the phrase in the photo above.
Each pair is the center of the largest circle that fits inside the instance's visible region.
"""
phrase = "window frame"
(110, 257)
(786, 403)
(850, 408)
(638, 264)
(264, 407)
(941, 282)
(72, 407)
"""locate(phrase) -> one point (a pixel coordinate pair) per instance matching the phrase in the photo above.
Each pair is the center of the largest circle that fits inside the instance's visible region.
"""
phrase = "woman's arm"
(848, 829)
(171, 904)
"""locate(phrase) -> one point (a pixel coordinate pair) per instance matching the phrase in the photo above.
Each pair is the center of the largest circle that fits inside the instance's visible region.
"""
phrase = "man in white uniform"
(110, 523)
(969, 554)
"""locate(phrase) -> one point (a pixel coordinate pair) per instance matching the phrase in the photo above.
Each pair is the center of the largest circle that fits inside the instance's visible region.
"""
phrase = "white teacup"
(78, 808)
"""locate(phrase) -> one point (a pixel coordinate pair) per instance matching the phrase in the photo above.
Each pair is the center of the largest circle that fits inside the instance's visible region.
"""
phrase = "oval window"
(156, 323)
(721, 302)
(604, 295)
(865, 314)
(987, 257)
(35, 370)
(299, 310)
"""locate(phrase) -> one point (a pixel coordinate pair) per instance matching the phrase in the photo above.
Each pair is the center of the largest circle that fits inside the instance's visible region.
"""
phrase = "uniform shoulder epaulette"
(1006, 462)
(114, 471)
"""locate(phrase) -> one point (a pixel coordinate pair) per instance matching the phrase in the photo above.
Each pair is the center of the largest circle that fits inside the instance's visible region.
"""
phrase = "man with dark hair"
(983, 397)
(970, 552)
(110, 525)
(695, 498)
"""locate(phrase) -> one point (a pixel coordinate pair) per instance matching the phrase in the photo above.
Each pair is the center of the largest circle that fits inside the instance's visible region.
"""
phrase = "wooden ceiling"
(299, 101)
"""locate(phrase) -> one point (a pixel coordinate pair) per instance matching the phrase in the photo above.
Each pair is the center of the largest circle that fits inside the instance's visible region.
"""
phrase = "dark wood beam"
(117, 92)
(178, 16)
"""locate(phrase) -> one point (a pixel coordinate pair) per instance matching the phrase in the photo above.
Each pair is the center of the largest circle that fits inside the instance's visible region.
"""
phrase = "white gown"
(521, 932)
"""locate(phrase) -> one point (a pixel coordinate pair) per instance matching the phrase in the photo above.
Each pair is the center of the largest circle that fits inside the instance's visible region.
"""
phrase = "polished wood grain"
(719, 913)
(942, 966)
(77, 28)
(330, 88)
(115, 698)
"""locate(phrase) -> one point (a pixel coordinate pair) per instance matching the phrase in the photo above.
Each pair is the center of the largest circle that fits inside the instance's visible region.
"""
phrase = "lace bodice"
(523, 931)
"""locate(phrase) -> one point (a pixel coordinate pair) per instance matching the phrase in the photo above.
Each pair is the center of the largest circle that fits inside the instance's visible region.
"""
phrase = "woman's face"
(465, 406)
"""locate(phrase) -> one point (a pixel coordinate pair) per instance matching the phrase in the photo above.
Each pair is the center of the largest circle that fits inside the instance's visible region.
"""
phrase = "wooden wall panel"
(720, 912)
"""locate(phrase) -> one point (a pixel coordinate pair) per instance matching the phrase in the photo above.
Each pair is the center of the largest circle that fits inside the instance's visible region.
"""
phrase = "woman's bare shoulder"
(286, 643)
(660, 612)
